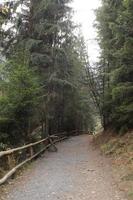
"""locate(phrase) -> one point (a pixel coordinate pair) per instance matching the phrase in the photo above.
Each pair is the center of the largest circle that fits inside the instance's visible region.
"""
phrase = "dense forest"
(46, 79)
(114, 72)
(42, 72)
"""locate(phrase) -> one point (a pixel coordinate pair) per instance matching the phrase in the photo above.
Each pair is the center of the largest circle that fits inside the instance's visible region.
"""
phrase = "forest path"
(75, 172)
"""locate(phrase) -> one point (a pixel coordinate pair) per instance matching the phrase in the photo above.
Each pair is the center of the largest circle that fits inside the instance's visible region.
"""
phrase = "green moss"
(130, 195)
(128, 177)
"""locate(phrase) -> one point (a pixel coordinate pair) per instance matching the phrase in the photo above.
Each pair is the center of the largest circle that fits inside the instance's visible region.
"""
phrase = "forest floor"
(78, 171)
(119, 149)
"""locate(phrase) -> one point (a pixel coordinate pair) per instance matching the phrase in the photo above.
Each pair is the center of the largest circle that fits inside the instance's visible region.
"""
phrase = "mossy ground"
(120, 150)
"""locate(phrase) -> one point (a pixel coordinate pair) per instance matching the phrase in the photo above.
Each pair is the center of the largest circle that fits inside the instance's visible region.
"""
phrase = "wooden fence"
(13, 159)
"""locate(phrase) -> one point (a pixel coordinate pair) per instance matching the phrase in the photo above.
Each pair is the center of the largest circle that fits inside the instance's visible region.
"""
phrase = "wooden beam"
(11, 172)
(3, 153)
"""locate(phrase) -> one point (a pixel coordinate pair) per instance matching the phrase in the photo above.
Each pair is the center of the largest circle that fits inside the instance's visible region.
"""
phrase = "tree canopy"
(46, 79)
(42, 72)
(114, 71)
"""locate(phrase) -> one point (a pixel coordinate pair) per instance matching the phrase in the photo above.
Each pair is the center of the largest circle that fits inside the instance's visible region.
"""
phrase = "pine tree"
(114, 22)
(43, 36)
(20, 88)
(51, 31)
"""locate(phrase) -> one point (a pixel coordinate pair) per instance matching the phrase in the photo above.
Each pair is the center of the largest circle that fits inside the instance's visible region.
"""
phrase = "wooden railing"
(13, 159)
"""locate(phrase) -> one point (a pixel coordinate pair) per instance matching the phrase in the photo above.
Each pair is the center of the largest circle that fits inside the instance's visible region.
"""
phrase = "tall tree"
(114, 22)
(52, 41)
(43, 36)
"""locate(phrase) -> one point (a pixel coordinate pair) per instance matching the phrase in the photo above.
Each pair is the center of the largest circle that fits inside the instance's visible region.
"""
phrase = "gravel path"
(75, 172)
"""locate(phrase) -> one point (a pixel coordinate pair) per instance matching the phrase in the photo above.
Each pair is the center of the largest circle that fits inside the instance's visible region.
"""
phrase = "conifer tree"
(114, 22)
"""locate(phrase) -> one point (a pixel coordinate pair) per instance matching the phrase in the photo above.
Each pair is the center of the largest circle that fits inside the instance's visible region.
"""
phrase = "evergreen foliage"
(18, 100)
(42, 74)
(115, 69)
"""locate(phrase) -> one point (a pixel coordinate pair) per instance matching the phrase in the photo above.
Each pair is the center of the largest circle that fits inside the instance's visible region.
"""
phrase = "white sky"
(84, 14)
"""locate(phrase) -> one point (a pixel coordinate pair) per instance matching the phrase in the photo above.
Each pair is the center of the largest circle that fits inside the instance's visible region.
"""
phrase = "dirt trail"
(75, 172)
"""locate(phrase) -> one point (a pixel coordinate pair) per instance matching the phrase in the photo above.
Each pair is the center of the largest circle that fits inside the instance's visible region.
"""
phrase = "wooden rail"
(3, 153)
(49, 141)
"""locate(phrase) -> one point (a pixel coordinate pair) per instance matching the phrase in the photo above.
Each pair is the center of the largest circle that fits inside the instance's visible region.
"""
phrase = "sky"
(84, 14)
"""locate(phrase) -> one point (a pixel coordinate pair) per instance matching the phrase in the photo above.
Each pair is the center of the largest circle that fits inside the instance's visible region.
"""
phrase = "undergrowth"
(120, 150)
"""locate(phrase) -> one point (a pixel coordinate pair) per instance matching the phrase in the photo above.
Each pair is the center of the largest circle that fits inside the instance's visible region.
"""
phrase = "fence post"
(52, 144)
(11, 161)
(31, 151)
